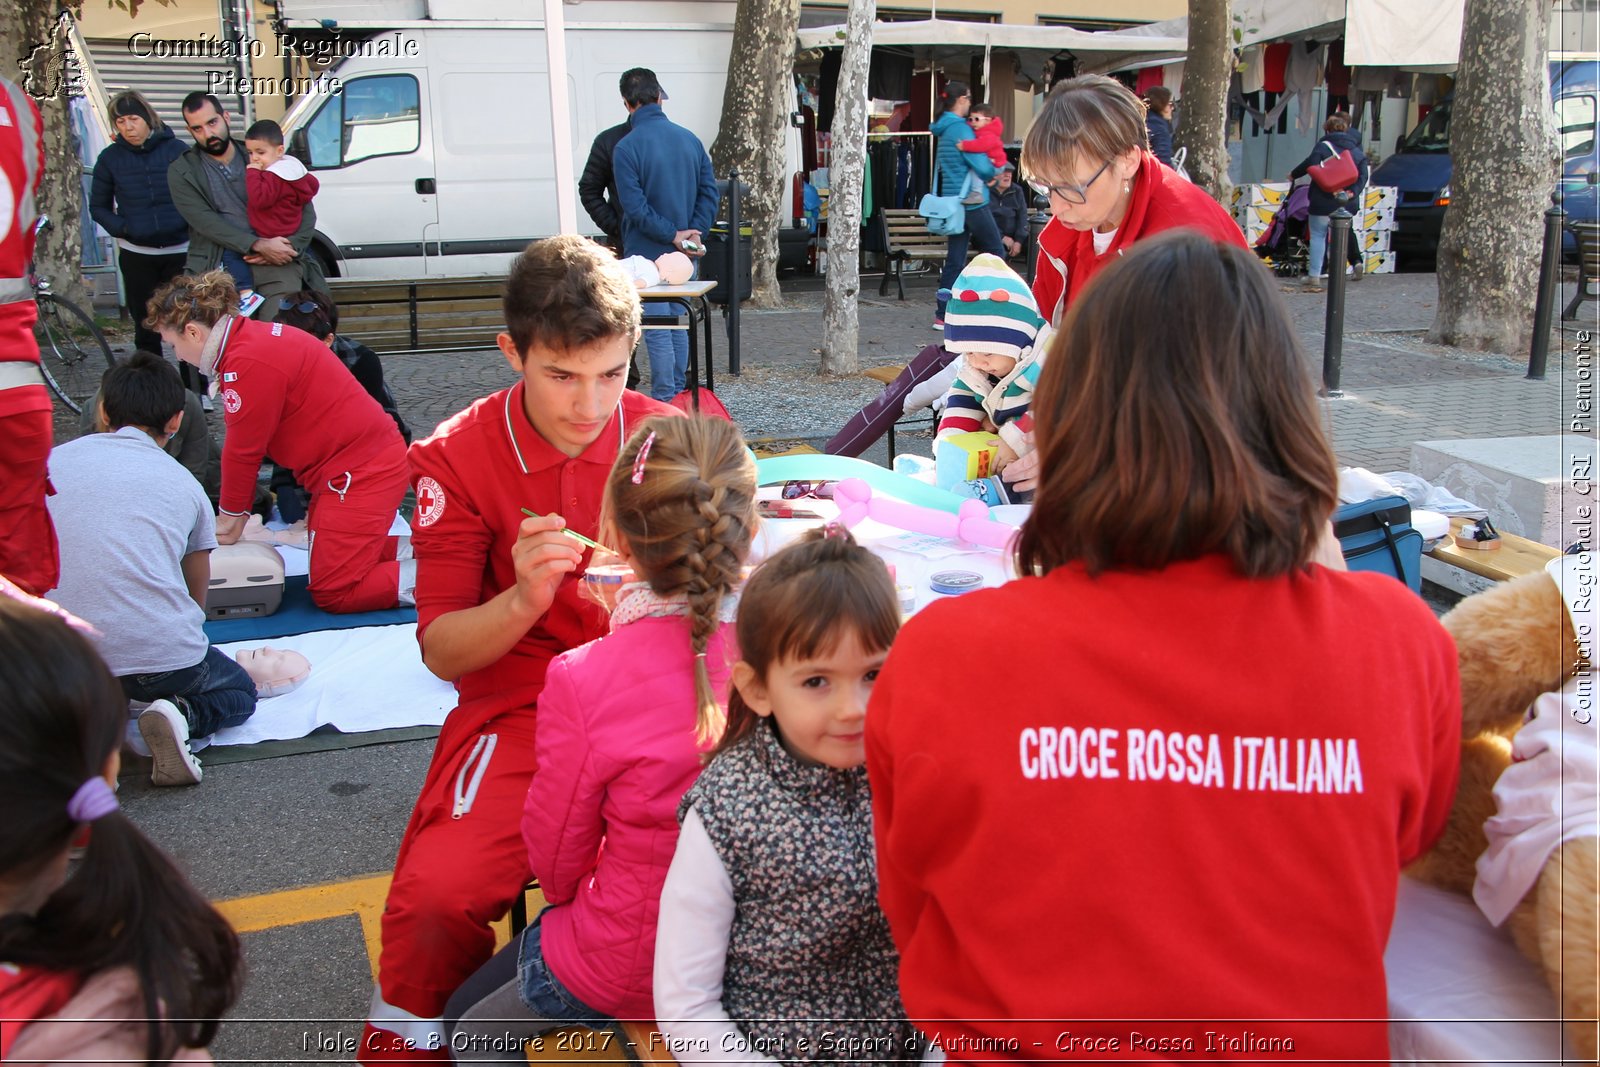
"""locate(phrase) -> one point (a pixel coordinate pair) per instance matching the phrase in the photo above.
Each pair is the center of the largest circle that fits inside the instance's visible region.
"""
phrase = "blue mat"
(298, 615)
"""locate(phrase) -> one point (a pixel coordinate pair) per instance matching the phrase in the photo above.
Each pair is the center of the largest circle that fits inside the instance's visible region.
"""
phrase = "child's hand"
(542, 557)
(255, 166)
(1004, 457)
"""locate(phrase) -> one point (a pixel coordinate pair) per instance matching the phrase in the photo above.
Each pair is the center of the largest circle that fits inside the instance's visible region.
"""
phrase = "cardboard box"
(1379, 263)
(963, 457)
(1378, 197)
(1265, 194)
(1370, 241)
(1376, 218)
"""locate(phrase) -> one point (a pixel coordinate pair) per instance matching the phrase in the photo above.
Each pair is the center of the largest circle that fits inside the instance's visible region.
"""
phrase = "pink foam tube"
(971, 524)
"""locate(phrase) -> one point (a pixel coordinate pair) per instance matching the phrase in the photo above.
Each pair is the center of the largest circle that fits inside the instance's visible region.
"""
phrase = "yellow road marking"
(361, 897)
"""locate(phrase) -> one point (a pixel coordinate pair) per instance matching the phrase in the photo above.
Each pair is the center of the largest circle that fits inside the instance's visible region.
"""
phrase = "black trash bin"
(714, 264)
(1037, 221)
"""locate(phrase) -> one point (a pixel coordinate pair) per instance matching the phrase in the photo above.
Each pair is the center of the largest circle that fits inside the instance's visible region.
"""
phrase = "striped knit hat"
(991, 310)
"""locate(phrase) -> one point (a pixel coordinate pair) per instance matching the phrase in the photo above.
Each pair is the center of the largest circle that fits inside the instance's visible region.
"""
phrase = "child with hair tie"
(623, 723)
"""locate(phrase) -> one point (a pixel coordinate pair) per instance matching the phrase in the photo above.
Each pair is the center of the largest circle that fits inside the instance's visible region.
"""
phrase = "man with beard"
(208, 187)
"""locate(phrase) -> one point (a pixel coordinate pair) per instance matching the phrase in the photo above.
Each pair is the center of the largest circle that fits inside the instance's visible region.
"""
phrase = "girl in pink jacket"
(114, 958)
(623, 724)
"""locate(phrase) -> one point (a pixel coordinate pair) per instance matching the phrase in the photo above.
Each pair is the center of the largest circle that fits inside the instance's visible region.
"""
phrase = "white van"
(435, 157)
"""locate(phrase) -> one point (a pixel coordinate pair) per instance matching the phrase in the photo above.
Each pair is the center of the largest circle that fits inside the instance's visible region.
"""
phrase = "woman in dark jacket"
(130, 200)
(1158, 122)
(1338, 137)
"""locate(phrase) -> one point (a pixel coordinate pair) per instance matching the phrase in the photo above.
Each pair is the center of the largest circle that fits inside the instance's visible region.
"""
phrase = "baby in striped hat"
(994, 325)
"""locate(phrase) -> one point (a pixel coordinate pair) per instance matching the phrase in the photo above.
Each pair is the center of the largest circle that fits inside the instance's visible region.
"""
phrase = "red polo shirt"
(473, 477)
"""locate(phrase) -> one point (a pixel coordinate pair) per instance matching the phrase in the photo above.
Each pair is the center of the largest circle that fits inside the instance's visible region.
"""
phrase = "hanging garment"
(1336, 74)
(1277, 58)
(1251, 70)
(1301, 74)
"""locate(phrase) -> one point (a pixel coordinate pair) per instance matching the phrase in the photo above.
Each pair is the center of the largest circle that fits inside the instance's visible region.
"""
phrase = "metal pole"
(1549, 287)
(1333, 325)
(734, 278)
(555, 52)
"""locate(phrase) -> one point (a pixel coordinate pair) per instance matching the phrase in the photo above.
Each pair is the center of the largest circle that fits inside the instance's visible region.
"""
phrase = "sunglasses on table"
(1072, 194)
(796, 490)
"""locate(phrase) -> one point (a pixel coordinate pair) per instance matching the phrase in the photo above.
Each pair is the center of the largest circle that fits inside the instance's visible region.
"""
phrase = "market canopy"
(948, 39)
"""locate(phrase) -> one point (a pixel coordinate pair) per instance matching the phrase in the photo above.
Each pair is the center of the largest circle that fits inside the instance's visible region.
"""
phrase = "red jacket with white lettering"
(285, 394)
(1161, 201)
(1105, 838)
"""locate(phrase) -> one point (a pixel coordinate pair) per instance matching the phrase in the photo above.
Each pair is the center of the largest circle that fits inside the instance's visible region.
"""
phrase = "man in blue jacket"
(668, 196)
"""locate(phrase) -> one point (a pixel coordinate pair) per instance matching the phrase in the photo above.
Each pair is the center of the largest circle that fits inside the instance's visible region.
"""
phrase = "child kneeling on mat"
(993, 324)
(770, 945)
(623, 723)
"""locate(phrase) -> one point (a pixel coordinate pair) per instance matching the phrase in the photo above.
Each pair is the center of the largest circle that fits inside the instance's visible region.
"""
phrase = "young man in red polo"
(498, 598)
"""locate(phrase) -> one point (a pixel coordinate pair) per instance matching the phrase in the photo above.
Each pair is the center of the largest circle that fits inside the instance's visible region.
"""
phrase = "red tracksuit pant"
(352, 555)
(461, 864)
(28, 554)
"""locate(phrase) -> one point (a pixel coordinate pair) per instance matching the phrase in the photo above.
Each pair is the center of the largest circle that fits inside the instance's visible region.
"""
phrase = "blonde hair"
(1092, 116)
(203, 298)
(688, 521)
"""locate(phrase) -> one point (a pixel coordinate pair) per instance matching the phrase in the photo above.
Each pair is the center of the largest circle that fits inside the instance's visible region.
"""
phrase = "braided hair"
(688, 519)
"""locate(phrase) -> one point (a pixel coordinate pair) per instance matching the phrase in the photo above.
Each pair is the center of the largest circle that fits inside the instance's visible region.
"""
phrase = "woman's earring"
(1127, 186)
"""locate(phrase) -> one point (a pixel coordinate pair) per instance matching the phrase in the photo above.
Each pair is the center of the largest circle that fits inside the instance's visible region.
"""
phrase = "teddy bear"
(1522, 834)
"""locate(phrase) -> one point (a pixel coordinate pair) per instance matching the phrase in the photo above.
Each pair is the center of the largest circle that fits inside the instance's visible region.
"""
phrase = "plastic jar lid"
(954, 582)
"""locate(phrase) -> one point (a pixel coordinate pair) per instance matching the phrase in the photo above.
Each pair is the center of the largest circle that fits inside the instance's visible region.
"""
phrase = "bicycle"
(73, 353)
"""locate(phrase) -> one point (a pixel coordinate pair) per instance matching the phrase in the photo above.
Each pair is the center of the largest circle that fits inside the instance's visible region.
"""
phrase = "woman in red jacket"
(1182, 823)
(1088, 153)
(285, 394)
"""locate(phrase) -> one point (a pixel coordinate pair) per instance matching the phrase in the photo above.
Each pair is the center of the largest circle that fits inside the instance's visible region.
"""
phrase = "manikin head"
(275, 671)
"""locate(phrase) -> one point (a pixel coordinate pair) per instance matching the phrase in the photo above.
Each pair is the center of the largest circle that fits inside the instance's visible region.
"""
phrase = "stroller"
(1285, 243)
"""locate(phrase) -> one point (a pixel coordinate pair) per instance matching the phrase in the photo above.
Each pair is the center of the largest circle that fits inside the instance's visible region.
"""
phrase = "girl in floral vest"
(771, 946)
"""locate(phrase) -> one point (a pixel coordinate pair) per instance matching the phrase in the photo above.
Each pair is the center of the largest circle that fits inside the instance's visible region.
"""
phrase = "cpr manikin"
(275, 671)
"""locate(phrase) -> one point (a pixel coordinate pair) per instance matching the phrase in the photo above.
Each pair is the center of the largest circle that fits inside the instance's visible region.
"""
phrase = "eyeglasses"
(305, 307)
(1072, 194)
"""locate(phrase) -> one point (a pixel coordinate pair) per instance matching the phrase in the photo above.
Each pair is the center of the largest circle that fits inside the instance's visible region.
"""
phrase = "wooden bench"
(447, 315)
(1469, 570)
(906, 236)
(1587, 234)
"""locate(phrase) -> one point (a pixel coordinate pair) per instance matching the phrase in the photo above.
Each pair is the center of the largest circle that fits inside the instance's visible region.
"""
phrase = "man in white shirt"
(136, 534)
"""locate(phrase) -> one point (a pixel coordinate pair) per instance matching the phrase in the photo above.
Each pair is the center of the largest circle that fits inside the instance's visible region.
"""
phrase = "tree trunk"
(756, 104)
(33, 51)
(847, 168)
(1203, 113)
(1505, 163)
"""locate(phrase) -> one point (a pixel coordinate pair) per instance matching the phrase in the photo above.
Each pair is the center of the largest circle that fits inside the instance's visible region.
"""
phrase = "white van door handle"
(425, 186)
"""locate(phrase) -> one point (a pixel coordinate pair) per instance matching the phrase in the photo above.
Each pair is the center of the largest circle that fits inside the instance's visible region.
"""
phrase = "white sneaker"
(248, 304)
(166, 731)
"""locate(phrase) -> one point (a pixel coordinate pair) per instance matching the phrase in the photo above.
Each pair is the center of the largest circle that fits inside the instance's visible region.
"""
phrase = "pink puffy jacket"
(616, 752)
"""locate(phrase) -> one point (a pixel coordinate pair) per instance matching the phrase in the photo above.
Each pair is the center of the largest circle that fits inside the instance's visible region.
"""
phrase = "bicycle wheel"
(72, 351)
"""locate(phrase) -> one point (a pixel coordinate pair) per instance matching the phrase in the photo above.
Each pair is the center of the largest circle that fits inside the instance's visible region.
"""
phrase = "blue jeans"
(542, 992)
(980, 228)
(214, 693)
(234, 264)
(1318, 226)
(669, 354)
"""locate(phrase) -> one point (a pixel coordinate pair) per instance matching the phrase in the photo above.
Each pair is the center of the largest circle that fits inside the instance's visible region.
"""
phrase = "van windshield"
(1432, 133)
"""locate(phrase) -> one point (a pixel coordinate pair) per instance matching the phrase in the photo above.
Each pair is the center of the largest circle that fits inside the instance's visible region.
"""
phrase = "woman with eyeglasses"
(963, 174)
(284, 394)
(1088, 153)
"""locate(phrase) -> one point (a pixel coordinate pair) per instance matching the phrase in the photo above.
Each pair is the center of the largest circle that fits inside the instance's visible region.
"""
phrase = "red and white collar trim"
(516, 392)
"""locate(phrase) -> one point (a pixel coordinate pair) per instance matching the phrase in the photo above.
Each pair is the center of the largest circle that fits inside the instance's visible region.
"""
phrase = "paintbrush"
(574, 534)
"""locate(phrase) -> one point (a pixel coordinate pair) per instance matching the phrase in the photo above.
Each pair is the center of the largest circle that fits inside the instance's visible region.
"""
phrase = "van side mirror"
(298, 148)
(797, 119)
(1593, 177)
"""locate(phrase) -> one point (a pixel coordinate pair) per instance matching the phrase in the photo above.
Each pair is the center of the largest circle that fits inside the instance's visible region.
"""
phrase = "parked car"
(1421, 165)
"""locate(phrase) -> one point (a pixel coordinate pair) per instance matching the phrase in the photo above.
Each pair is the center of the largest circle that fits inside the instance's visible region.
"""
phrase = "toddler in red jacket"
(277, 189)
(624, 722)
(988, 134)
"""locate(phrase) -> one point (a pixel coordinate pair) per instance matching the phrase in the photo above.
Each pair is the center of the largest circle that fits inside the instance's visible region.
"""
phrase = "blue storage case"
(1376, 535)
